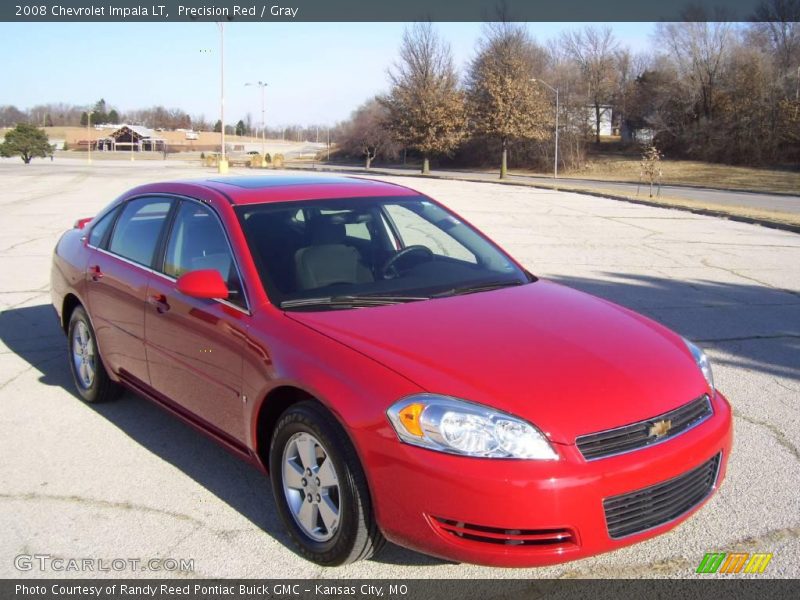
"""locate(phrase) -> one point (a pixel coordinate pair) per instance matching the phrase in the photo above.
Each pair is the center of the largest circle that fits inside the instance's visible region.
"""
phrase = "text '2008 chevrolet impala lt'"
(396, 373)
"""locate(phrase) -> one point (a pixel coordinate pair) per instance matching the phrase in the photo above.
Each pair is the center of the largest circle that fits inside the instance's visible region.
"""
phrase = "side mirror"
(203, 283)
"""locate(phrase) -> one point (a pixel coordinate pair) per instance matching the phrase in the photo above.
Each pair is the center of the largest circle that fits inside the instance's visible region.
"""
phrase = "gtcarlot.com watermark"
(61, 564)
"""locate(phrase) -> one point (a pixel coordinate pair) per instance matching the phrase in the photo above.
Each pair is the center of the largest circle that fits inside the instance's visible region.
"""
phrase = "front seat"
(328, 260)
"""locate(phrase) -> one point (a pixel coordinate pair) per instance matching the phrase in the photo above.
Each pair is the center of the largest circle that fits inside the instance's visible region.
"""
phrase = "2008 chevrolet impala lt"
(396, 373)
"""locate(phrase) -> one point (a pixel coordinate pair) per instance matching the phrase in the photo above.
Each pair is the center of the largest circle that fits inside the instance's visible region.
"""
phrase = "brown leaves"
(503, 101)
(425, 104)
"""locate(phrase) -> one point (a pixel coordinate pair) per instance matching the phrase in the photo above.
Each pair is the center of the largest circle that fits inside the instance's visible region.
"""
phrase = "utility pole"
(223, 161)
(555, 90)
(89, 135)
(263, 86)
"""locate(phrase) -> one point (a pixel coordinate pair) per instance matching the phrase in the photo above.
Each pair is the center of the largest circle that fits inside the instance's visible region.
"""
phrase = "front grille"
(661, 503)
(637, 435)
(505, 537)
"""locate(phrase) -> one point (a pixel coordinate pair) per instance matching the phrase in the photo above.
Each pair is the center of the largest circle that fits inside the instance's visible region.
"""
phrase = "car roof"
(256, 189)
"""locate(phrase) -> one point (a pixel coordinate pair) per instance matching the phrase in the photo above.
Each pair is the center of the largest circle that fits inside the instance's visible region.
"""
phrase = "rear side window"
(99, 230)
(138, 229)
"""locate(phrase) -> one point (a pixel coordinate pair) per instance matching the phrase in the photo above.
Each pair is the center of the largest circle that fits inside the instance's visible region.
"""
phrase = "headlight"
(458, 427)
(702, 362)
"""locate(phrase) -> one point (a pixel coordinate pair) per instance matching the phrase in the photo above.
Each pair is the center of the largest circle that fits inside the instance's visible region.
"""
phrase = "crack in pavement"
(784, 386)
(779, 435)
(676, 564)
(705, 263)
(748, 338)
(97, 503)
(196, 524)
(121, 506)
(28, 241)
(31, 366)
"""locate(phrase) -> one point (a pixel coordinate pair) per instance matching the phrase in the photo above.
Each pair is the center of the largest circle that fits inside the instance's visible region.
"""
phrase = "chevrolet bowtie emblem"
(659, 429)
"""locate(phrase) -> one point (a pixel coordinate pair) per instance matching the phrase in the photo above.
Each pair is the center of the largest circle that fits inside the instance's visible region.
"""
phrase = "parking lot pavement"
(126, 480)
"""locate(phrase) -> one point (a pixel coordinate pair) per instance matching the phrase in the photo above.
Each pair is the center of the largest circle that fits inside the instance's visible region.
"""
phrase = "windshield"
(344, 253)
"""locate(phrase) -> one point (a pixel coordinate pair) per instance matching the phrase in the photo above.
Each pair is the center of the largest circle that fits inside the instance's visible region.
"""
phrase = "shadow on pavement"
(758, 327)
(33, 334)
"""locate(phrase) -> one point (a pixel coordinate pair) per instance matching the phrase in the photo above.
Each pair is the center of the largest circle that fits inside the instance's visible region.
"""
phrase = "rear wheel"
(90, 377)
(320, 489)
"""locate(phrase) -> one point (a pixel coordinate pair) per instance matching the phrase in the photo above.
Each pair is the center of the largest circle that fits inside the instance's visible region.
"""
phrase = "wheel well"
(274, 405)
(70, 302)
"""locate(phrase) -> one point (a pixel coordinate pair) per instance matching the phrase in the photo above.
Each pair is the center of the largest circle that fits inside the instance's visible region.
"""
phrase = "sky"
(317, 73)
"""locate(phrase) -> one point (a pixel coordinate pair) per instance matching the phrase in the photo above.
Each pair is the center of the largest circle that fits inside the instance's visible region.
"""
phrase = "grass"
(615, 162)
(690, 172)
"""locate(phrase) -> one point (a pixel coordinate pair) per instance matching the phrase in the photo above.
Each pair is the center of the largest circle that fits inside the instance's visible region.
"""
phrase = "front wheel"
(88, 373)
(320, 489)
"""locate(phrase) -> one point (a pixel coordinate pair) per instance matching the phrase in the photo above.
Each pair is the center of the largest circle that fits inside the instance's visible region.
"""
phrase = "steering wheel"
(389, 269)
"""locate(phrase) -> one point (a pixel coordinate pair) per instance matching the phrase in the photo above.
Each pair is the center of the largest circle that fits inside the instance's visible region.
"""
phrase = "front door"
(194, 346)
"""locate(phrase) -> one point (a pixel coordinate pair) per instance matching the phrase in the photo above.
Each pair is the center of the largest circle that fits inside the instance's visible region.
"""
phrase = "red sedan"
(396, 373)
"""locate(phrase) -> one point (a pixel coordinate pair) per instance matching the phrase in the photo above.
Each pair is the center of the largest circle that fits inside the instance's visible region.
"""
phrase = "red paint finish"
(568, 362)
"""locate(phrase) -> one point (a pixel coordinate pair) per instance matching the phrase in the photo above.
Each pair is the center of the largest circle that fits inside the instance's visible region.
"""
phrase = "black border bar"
(267, 11)
(730, 587)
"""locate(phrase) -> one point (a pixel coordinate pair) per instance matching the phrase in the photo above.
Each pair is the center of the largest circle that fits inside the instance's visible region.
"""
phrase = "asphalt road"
(126, 480)
(755, 200)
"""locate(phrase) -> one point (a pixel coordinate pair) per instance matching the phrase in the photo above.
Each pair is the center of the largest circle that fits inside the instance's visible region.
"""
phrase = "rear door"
(118, 274)
(194, 346)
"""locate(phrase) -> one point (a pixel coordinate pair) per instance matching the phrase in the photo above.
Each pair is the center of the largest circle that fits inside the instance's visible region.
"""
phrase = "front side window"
(197, 241)
(99, 230)
(138, 229)
(407, 247)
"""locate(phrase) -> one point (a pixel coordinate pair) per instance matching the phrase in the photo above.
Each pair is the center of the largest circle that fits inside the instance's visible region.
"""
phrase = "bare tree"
(366, 134)
(595, 52)
(780, 21)
(504, 101)
(425, 105)
(777, 31)
(699, 50)
(11, 115)
(200, 123)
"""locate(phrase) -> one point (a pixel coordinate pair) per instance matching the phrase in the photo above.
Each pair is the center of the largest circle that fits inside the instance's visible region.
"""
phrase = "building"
(127, 138)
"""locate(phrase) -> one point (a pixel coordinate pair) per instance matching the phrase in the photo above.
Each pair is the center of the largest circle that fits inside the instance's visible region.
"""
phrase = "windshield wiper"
(479, 287)
(350, 301)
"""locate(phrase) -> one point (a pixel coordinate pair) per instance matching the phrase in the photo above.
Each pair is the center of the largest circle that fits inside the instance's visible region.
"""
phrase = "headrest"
(325, 231)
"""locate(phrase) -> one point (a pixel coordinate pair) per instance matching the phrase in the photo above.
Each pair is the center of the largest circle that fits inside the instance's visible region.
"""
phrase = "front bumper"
(433, 502)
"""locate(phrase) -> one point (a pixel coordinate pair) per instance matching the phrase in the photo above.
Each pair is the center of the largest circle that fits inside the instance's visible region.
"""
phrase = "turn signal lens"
(409, 418)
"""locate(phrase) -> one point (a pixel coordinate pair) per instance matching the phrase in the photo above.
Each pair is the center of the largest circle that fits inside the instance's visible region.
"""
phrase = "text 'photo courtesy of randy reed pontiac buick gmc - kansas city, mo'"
(398, 375)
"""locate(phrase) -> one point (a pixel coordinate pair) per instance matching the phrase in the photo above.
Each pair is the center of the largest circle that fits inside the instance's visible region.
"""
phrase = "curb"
(709, 212)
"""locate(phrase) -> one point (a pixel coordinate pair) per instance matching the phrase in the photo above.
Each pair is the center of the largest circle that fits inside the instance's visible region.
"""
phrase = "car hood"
(568, 362)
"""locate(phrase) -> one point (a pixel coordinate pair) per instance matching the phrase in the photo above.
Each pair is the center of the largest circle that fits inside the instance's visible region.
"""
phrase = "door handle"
(95, 273)
(159, 301)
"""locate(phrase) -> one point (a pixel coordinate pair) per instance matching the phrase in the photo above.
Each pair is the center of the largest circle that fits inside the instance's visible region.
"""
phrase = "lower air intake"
(506, 537)
(661, 503)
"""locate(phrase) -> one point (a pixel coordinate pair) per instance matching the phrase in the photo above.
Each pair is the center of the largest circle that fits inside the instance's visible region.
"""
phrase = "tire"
(322, 535)
(88, 373)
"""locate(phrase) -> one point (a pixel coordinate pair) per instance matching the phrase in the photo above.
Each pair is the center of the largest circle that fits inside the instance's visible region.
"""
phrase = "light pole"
(263, 86)
(89, 135)
(223, 161)
(797, 86)
(555, 90)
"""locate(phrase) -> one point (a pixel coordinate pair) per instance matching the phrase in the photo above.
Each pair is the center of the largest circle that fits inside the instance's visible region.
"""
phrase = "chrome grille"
(661, 503)
(637, 435)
